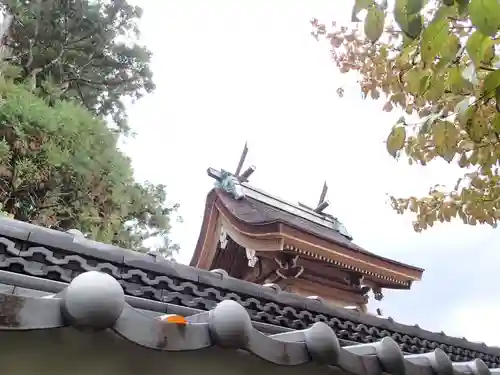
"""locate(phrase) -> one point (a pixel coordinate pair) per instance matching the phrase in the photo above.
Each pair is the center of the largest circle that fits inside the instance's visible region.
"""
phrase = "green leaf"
(412, 78)
(412, 6)
(491, 82)
(495, 124)
(414, 25)
(407, 16)
(478, 128)
(426, 126)
(467, 116)
(489, 55)
(449, 51)
(425, 82)
(455, 81)
(485, 15)
(433, 39)
(405, 55)
(477, 45)
(360, 5)
(461, 109)
(396, 140)
(445, 136)
(497, 99)
(462, 6)
(436, 88)
(374, 23)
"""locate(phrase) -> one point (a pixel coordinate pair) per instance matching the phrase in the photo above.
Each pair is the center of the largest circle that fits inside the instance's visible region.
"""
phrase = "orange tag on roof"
(176, 319)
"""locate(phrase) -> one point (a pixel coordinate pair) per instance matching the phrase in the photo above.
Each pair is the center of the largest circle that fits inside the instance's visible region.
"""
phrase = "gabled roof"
(257, 212)
(260, 217)
(46, 260)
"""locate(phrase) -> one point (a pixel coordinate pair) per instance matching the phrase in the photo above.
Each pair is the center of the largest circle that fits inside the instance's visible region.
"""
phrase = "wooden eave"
(297, 240)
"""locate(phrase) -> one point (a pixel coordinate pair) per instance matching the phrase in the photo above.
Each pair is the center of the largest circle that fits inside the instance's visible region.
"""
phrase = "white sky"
(234, 71)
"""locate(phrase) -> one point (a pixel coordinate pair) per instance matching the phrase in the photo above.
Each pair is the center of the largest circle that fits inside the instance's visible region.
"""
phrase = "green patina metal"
(229, 183)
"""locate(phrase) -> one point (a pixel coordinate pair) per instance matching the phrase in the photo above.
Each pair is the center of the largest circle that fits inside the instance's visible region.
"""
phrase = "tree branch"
(33, 41)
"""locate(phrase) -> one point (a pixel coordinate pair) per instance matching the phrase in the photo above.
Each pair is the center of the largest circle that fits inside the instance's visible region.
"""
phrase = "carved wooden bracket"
(288, 268)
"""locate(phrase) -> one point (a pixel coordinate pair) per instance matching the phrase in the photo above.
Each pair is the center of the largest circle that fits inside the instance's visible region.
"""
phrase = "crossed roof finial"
(322, 203)
(243, 177)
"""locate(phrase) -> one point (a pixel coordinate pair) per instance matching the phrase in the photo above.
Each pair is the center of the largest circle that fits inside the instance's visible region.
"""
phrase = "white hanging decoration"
(223, 239)
(252, 258)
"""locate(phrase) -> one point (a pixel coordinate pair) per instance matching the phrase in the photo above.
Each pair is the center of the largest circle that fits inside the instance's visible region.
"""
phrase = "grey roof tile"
(52, 262)
(94, 301)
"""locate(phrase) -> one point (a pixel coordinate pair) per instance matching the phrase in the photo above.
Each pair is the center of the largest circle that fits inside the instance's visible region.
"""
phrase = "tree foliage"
(60, 167)
(437, 62)
(87, 49)
(67, 67)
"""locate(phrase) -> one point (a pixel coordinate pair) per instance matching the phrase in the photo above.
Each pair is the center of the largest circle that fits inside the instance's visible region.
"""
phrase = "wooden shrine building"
(260, 238)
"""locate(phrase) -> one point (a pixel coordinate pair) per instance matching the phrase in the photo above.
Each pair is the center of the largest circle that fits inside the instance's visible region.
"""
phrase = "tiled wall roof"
(47, 254)
(95, 302)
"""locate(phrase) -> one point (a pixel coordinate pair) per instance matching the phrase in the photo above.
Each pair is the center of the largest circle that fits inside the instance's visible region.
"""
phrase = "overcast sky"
(234, 71)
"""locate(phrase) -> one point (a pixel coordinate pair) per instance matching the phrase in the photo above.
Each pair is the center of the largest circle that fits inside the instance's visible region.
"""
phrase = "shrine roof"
(258, 213)
(39, 261)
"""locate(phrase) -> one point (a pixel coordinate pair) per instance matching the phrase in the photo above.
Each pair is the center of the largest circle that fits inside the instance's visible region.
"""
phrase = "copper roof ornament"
(231, 183)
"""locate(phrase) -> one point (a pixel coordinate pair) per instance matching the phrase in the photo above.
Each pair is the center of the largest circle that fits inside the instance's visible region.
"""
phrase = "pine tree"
(68, 68)
(88, 49)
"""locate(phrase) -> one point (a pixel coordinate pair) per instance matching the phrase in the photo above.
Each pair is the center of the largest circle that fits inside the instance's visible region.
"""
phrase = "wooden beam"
(322, 197)
(242, 160)
(245, 175)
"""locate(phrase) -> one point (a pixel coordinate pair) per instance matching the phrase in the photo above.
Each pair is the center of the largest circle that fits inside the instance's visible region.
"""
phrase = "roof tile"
(95, 301)
(55, 259)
